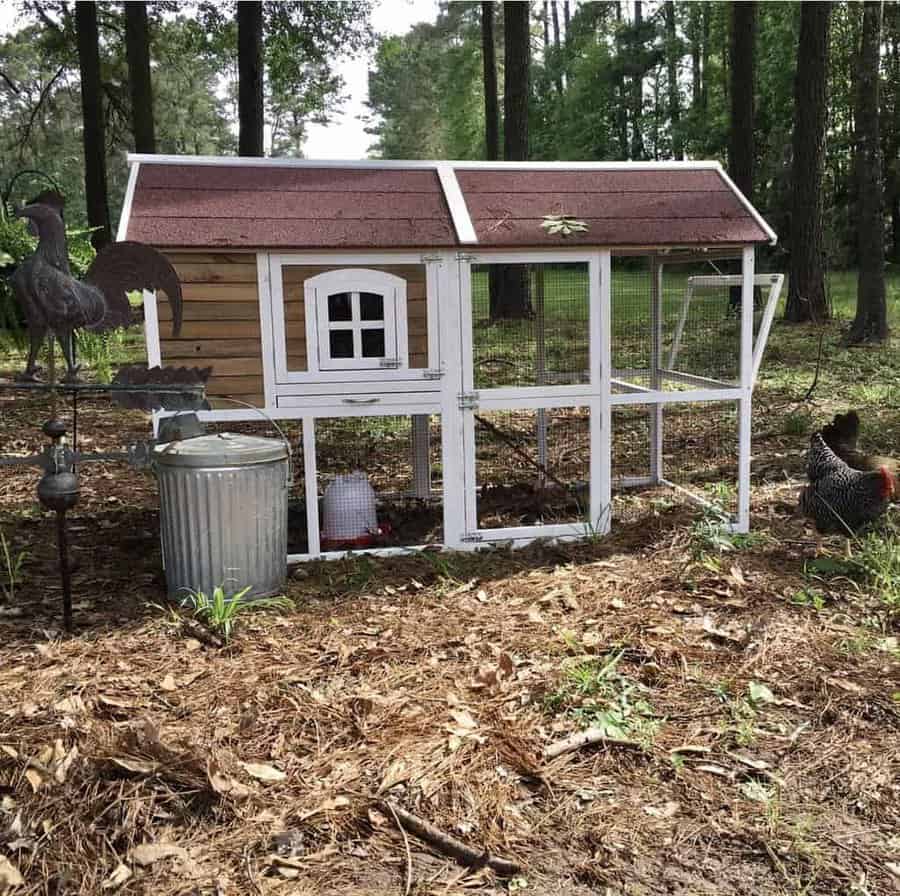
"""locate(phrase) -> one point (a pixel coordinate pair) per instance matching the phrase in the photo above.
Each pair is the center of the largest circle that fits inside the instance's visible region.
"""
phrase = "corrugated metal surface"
(620, 207)
(289, 208)
(224, 526)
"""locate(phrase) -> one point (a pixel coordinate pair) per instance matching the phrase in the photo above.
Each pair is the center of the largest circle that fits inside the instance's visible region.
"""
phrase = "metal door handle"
(361, 400)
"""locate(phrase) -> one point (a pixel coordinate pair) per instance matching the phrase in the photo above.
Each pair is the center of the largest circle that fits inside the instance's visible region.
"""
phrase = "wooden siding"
(295, 277)
(221, 326)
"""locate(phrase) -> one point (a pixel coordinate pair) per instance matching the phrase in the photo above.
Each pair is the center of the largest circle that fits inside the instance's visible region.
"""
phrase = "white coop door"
(531, 407)
(356, 319)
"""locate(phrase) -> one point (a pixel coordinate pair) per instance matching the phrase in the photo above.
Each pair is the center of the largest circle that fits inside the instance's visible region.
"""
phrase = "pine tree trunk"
(637, 97)
(695, 13)
(546, 19)
(806, 287)
(704, 55)
(491, 111)
(92, 111)
(512, 299)
(870, 324)
(250, 78)
(621, 106)
(137, 48)
(741, 149)
(672, 55)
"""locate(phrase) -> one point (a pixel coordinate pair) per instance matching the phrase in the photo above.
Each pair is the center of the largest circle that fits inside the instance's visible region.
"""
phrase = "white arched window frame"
(356, 320)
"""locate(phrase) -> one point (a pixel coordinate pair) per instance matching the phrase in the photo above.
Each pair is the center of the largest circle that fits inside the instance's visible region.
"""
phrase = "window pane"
(340, 306)
(341, 343)
(373, 343)
(371, 306)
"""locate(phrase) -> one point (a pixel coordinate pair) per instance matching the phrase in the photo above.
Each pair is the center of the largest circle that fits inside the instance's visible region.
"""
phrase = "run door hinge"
(468, 401)
(433, 373)
(471, 537)
(432, 259)
(465, 256)
(389, 363)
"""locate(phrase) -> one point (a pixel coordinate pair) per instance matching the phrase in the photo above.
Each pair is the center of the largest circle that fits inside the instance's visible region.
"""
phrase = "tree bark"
(741, 149)
(706, 22)
(557, 59)
(672, 56)
(870, 324)
(546, 19)
(806, 287)
(637, 93)
(517, 84)
(250, 78)
(695, 12)
(92, 112)
(512, 299)
(491, 111)
(137, 48)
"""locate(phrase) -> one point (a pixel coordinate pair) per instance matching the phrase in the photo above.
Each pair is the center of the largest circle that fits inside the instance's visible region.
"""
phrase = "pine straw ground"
(135, 758)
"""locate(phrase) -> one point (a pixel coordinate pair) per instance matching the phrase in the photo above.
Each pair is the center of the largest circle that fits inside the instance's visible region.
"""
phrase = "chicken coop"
(464, 353)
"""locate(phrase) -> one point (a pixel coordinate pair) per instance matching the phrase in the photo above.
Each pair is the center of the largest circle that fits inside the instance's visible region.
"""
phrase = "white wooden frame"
(331, 381)
(354, 281)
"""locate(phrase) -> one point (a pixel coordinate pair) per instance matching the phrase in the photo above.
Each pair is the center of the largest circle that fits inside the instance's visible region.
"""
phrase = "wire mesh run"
(677, 324)
(530, 324)
(532, 467)
(379, 481)
(689, 447)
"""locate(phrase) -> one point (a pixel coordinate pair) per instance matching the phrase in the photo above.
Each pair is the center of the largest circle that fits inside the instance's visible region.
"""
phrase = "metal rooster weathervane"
(57, 303)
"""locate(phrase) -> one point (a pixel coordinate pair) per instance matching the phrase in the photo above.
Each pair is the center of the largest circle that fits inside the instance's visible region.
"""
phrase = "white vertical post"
(745, 422)
(420, 456)
(452, 452)
(465, 336)
(267, 335)
(656, 382)
(311, 486)
(600, 328)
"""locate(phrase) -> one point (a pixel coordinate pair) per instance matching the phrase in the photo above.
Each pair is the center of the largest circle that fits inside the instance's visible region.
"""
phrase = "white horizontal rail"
(657, 397)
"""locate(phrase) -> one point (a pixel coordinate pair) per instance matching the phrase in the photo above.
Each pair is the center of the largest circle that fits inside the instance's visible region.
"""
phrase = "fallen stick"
(588, 737)
(448, 845)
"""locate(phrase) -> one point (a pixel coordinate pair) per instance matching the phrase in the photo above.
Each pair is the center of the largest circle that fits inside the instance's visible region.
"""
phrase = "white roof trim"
(773, 237)
(456, 202)
(410, 164)
(125, 215)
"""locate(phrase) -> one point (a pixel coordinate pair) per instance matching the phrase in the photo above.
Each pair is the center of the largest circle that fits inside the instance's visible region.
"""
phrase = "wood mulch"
(135, 758)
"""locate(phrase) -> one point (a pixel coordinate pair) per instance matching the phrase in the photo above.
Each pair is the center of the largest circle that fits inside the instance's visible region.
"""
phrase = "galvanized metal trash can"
(223, 503)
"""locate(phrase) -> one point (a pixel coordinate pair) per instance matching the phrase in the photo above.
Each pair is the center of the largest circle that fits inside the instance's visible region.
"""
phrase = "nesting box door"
(365, 331)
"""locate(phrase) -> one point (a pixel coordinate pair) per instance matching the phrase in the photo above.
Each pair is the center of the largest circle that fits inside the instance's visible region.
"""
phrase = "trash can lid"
(226, 449)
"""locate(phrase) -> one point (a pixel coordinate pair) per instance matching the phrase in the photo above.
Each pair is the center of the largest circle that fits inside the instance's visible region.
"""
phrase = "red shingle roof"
(181, 203)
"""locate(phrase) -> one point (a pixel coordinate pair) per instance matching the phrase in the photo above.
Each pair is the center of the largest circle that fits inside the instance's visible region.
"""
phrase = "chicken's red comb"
(888, 485)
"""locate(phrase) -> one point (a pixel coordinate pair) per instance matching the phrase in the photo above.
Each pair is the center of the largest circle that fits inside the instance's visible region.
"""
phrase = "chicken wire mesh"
(532, 467)
(691, 446)
(530, 324)
(379, 481)
(676, 323)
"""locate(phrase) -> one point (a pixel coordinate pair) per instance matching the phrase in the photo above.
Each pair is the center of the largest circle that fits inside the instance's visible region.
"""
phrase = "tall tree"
(673, 54)
(92, 112)
(637, 91)
(137, 49)
(516, 80)
(741, 144)
(491, 111)
(250, 78)
(806, 287)
(870, 323)
(557, 57)
(509, 293)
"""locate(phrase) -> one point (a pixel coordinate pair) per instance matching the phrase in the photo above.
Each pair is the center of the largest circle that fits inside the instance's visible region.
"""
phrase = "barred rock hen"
(842, 437)
(839, 498)
(54, 301)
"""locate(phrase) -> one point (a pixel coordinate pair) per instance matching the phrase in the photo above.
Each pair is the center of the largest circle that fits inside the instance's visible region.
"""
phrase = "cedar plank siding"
(295, 277)
(221, 325)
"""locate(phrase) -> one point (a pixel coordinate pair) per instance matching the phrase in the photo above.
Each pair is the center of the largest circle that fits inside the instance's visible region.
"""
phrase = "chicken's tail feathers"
(120, 268)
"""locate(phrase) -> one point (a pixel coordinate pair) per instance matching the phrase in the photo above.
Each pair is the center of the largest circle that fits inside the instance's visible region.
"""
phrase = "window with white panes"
(359, 319)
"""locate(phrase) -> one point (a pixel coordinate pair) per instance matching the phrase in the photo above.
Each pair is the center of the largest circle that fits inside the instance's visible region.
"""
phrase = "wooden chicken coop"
(472, 352)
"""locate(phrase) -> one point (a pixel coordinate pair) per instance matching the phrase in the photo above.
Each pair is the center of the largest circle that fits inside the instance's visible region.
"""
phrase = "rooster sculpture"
(56, 302)
(839, 498)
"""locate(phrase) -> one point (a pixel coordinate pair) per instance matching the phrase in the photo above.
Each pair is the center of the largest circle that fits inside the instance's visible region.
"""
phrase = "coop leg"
(656, 382)
(421, 447)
